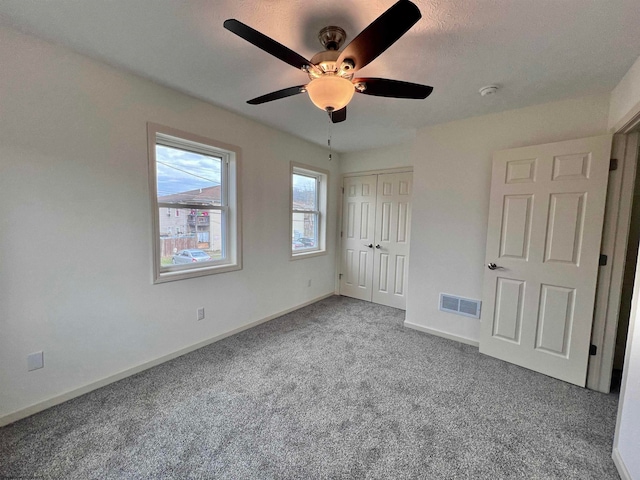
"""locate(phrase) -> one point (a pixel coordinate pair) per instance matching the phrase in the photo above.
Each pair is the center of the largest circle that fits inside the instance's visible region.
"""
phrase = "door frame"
(407, 169)
(617, 220)
(376, 172)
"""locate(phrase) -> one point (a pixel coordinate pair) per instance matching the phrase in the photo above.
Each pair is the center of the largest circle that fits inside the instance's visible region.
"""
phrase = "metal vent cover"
(459, 305)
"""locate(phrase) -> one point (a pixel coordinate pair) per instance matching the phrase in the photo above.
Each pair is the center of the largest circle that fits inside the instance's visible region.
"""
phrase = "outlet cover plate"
(35, 361)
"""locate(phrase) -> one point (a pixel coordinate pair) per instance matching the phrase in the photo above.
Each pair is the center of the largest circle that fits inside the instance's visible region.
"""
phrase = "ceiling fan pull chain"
(329, 142)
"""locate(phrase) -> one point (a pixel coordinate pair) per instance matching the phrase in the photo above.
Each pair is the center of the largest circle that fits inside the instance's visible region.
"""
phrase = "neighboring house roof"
(300, 205)
(200, 196)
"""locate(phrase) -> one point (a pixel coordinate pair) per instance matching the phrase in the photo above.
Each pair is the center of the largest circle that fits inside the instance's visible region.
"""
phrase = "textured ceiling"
(537, 50)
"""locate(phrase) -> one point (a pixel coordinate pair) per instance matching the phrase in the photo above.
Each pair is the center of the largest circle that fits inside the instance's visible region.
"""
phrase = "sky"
(304, 192)
(181, 171)
(302, 182)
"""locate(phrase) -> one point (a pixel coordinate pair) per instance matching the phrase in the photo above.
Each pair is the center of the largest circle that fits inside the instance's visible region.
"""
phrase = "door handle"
(378, 246)
(370, 245)
(493, 266)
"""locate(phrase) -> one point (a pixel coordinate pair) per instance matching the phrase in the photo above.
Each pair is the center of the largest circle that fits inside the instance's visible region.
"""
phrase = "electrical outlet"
(201, 313)
(35, 361)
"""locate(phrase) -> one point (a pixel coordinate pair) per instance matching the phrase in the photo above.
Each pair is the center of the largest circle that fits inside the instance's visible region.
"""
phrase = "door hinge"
(613, 164)
(340, 276)
(603, 260)
(593, 350)
(343, 190)
(340, 234)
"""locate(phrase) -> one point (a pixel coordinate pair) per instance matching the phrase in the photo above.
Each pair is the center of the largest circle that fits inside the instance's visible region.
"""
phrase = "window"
(197, 178)
(308, 210)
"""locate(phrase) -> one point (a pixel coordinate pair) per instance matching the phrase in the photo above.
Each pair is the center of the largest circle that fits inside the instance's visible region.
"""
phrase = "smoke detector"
(489, 90)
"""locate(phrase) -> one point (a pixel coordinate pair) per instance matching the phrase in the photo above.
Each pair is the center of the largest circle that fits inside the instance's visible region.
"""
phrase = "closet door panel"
(358, 218)
(393, 222)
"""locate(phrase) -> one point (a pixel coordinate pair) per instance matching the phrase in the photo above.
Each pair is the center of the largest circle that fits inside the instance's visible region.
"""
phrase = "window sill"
(301, 255)
(196, 272)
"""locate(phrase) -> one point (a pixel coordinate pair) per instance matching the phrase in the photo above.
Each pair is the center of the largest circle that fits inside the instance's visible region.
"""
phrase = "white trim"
(337, 258)
(620, 465)
(629, 122)
(339, 232)
(378, 172)
(322, 202)
(605, 322)
(440, 333)
(312, 253)
(615, 233)
(58, 399)
(623, 471)
(231, 200)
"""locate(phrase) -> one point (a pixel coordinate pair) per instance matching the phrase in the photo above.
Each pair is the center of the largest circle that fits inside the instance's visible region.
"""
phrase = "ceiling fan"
(331, 71)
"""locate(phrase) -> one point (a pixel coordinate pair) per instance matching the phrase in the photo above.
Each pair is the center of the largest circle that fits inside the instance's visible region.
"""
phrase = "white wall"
(75, 241)
(452, 176)
(625, 98)
(452, 170)
(378, 158)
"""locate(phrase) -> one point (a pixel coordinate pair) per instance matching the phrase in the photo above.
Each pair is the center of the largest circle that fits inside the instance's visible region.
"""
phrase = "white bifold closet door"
(375, 238)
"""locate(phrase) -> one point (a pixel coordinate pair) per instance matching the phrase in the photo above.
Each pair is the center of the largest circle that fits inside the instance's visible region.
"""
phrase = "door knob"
(370, 245)
(378, 246)
(492, 266)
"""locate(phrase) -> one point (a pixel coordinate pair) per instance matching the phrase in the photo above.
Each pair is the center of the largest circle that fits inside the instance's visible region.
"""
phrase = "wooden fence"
(170, 245)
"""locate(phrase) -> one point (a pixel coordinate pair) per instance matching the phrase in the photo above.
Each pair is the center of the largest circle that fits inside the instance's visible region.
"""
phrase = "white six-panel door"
(543, 244)
(393, 221)
(358, 219)
(375, 238)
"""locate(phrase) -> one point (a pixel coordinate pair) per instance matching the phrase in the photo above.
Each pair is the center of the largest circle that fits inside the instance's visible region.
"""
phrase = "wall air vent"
(459, 305)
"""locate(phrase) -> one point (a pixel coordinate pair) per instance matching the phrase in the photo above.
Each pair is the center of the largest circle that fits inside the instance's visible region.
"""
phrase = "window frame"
(229, 202)
(322, 192)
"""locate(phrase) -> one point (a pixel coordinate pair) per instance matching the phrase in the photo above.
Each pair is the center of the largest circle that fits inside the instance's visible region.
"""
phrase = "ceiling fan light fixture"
(330, 92)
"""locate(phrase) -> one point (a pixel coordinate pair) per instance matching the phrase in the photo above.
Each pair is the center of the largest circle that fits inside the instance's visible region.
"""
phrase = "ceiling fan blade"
(269, 97)
(267, 44)
(382, 87)
(381, 34)
(338, 116)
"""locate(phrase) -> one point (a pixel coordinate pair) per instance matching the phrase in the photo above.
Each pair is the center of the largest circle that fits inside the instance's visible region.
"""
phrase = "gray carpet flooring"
(339, 389)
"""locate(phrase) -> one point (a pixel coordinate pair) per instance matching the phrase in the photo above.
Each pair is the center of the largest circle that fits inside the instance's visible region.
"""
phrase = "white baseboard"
(58, 399)
(440, 333)
(622, 468)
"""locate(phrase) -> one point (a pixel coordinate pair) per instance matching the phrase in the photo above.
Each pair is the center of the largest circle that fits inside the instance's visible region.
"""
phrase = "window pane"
(305, 195)
(188, 177)
(195, 235)
(305, 231)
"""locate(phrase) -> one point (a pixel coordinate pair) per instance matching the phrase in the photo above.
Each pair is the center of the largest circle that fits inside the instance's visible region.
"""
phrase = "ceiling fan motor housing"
(326, 63)
(332, 37)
